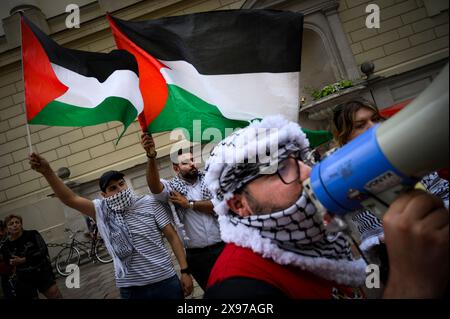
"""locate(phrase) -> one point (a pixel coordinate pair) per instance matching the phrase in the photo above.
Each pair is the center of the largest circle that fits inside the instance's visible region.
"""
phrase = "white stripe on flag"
(239, 96)
(88, 92)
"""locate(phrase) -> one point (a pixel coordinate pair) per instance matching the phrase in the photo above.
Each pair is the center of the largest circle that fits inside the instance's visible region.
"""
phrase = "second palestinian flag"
(224, 67)
(65, 87)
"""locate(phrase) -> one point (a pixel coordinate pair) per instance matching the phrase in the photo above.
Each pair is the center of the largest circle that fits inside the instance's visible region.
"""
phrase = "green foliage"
(329, 89)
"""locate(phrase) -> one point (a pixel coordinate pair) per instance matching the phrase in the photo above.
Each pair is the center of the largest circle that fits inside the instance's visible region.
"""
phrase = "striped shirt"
(150, 260)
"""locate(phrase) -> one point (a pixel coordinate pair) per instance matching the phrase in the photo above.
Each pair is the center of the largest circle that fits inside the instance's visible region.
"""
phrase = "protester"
(350, 120)
(131, 227)
(353, 118)
(188, 191)
(276, 243)
(27, 253)
(5, 268)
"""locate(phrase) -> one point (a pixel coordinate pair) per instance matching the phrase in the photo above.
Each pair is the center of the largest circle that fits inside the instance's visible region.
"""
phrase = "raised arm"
(64, 193)
(152, 175)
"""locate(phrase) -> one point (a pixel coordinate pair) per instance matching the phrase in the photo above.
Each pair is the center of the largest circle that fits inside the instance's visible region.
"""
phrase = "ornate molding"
(306, 7)
(323, 109)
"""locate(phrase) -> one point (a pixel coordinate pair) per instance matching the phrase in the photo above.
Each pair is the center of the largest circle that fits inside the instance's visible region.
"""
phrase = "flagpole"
(21, 12)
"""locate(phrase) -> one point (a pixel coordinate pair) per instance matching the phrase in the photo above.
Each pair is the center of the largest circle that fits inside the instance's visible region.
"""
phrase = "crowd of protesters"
(244, 227)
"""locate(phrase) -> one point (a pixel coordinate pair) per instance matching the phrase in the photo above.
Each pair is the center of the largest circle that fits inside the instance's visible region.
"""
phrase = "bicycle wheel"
(67, 256)
(101, 253)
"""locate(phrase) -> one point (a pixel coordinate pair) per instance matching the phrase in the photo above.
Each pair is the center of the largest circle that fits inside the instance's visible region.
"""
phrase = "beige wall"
(87, 151)
(410, 35)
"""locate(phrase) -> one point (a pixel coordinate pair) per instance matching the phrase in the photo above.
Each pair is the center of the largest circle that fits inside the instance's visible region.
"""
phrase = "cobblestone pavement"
(97, 282)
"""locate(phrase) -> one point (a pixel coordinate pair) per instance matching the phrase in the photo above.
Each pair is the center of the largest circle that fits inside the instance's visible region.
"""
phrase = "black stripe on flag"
(90, 64)
(223, 42)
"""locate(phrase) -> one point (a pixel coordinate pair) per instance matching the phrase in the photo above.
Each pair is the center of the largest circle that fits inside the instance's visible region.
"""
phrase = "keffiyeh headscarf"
(436, 186)
(370, 228)
(294, 236)
(181, 186)
(114, 229)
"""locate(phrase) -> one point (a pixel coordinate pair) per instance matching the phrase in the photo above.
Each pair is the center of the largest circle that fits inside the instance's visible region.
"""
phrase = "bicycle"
(70, 254)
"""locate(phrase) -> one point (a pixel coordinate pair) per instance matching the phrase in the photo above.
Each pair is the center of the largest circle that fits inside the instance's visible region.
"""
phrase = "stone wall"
(412, 33)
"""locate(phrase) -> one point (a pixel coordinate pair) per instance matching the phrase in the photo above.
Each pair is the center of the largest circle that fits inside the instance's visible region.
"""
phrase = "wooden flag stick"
(21, 12)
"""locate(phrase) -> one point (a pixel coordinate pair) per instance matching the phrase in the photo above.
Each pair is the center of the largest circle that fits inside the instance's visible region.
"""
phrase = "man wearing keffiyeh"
(193, 213)
(131, 227)
(277, 245)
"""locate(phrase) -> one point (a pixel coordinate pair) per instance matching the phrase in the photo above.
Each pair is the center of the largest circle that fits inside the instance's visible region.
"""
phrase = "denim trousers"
(169, 288)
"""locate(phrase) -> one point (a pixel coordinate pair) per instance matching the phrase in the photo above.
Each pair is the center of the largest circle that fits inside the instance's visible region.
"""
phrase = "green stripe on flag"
(112, 108)
(318, 137)
(183, 107)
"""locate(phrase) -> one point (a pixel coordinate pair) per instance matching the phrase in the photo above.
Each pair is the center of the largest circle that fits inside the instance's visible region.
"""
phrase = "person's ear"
(305, 171)
(176, 168)
(238, 204)
(103, 194)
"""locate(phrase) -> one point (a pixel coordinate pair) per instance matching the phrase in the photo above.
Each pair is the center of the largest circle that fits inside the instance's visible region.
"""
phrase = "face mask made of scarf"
(121, 201)
(299, 229)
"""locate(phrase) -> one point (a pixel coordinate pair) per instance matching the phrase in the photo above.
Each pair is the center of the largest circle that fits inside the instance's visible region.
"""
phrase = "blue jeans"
(169, 288)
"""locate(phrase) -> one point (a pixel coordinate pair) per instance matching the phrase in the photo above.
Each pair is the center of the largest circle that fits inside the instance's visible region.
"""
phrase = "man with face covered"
(131, 227)
(276, 243)
(192, 199)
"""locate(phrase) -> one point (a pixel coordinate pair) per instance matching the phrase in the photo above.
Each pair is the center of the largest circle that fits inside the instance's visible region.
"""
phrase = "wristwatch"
(186, 270)
(152, 154)
(191, 204)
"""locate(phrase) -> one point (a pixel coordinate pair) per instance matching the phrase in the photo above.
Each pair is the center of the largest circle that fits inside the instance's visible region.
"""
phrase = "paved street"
(97, 282)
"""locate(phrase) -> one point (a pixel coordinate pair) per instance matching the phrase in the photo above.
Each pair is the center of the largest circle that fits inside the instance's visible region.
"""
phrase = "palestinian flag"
(224, 68)
(65, 87)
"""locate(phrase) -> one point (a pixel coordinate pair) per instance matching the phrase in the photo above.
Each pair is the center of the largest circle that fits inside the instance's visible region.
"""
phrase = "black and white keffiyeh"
(114, 229)
(120, 201)
(178, 213)
(181, 186)
(436, 186)
(369, 228)
(243, 173)
(298, 229)
(293, 236)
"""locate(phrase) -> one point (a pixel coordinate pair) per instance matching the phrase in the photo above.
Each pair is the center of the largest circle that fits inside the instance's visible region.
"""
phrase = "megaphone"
(371, 170)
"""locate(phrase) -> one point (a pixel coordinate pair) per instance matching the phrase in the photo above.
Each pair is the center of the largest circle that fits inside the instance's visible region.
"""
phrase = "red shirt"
(295, 283)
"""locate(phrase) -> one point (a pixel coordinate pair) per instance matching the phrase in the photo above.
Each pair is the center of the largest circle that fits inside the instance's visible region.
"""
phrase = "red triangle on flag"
(151, 82)
(40, 81)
